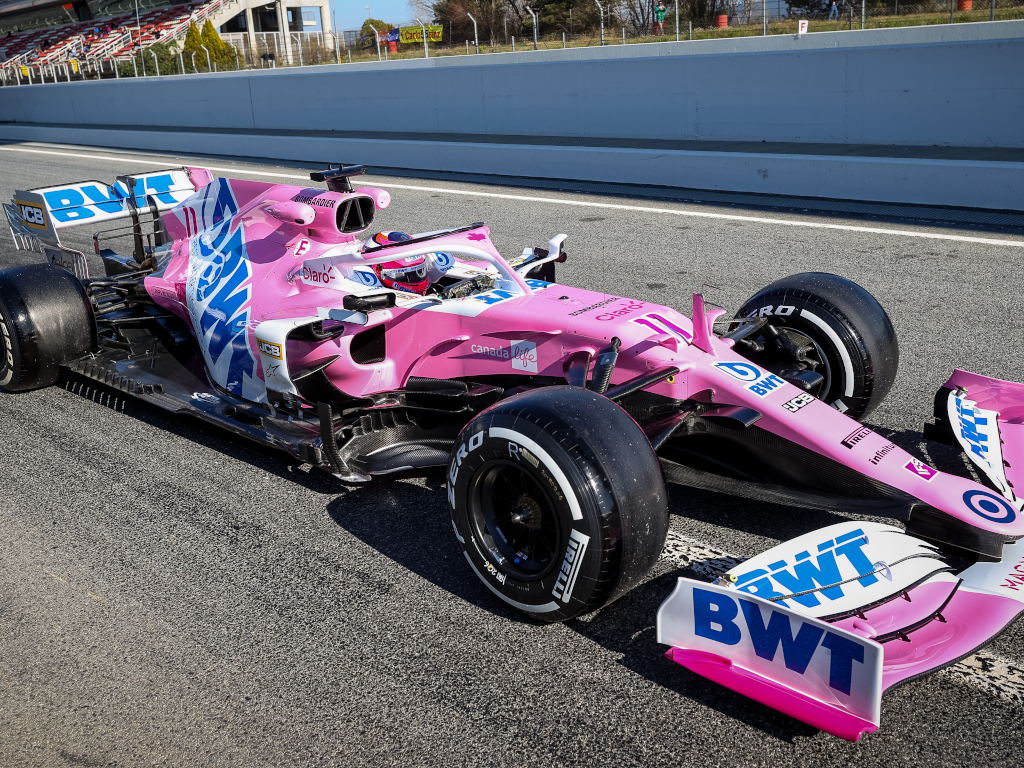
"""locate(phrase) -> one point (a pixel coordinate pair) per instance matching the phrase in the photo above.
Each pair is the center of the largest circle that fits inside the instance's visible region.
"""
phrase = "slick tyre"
(45, 321)
(557, 501)
(854, 341)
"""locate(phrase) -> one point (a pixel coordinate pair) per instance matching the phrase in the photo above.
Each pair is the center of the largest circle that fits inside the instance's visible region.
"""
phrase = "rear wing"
(37, 216)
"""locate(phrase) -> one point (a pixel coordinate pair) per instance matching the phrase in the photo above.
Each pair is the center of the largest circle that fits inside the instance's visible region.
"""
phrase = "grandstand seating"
(111, 37)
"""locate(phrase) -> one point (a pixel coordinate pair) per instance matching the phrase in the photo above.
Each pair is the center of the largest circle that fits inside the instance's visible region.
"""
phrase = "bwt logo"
(85, 201)
(716, 617)
(812, 572)
(761, 383)
(970, 420)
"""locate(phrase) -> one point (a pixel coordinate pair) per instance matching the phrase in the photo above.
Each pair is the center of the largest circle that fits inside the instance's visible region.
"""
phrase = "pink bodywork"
(567, 325)
(1007, 399)
(548, 329)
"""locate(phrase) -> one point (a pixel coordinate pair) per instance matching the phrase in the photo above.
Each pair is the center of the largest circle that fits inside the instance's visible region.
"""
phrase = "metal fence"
(746, 17)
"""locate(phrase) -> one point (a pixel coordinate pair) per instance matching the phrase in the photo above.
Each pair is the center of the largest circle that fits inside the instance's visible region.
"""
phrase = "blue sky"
(352, 13)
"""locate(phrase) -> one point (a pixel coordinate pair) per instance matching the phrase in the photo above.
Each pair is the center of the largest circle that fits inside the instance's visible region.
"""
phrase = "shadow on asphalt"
(409, 524)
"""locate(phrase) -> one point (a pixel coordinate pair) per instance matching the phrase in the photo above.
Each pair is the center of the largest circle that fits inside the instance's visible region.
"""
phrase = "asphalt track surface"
(170, 595)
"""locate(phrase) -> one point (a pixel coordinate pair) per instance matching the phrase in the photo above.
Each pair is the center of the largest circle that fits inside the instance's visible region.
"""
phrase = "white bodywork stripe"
(540, 453)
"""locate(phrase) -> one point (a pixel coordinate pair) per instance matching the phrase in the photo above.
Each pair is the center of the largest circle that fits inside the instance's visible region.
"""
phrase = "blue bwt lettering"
(715, 615)
(796, 651)
(710, 608)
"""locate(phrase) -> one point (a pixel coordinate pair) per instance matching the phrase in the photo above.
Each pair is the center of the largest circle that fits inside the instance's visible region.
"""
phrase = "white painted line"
(576, 203)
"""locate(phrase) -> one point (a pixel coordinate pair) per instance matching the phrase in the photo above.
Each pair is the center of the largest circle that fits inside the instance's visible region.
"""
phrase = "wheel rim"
(515, 519)
(823, 366)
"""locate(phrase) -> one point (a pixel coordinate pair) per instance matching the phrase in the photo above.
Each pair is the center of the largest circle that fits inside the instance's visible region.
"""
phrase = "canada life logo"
(524, 356)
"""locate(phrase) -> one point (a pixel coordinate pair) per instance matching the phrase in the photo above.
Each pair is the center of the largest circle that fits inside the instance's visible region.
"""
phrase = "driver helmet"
(407, 274)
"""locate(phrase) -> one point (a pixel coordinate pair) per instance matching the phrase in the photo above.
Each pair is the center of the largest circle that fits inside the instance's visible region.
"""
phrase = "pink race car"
(558, 413)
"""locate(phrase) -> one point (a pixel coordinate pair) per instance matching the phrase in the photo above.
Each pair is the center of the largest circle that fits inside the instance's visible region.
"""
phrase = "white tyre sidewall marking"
(8, 354)
(546, 608)
(840, 348)
(543, 456)
(570, 496)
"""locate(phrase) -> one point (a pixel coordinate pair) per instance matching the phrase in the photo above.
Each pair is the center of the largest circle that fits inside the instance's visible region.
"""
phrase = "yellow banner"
(415, 34)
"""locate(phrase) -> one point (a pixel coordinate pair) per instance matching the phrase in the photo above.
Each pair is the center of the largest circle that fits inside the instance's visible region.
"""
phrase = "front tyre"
(837, 329)
(557, 501)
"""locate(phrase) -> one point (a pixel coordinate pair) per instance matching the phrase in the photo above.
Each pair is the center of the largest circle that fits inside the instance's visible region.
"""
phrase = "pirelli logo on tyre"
(574, 553)
(269, 348)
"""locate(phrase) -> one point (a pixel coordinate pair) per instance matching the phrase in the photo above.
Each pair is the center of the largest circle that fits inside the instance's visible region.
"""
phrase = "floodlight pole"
(476, 36)
(600, 8)
(534, 15)
(426, 53)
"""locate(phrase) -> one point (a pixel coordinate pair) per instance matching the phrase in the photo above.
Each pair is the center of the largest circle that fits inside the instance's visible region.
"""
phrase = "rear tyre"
(557, 500)
(45, 321)
(850, 338)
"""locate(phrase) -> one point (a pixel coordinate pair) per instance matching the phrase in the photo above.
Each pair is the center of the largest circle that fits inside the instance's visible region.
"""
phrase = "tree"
(382, 27)
(220, 52)
(193, 43)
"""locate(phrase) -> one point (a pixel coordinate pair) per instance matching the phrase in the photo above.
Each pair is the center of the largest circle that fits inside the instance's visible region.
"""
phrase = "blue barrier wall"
(950, 86)
(956, 85)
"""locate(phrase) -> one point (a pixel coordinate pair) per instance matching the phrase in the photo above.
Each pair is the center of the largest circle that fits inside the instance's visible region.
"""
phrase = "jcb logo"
(32, 215)
(270, 349)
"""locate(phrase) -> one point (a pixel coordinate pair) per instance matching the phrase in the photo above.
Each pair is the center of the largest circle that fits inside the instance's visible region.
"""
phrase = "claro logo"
(625, 309)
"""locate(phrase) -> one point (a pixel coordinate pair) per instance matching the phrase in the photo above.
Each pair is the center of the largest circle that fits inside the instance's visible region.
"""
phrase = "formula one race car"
(558, 412)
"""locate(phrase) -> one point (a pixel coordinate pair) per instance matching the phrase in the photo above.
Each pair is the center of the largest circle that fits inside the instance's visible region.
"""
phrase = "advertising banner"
(415, 34)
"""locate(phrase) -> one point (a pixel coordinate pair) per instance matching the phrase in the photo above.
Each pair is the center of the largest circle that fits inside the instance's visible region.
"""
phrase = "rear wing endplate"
(37, 216)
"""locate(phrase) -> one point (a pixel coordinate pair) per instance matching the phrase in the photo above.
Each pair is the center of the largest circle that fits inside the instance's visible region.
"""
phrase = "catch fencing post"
(534, 16)
(349, 55)
(136, 66)
(677, 21)
(194, 69)
(623, 34)
(513, 43)
(377, 37)
(117, 70)
(209, 64)
(600, 9)
(764, 18)
(237, 67)
(337, 50)
(952, 7)
(691, 29)
(426, 53)
(476, 36)
(563, 39)
(182, 62)
(156, 62)
(863, 12)
(992, 11)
